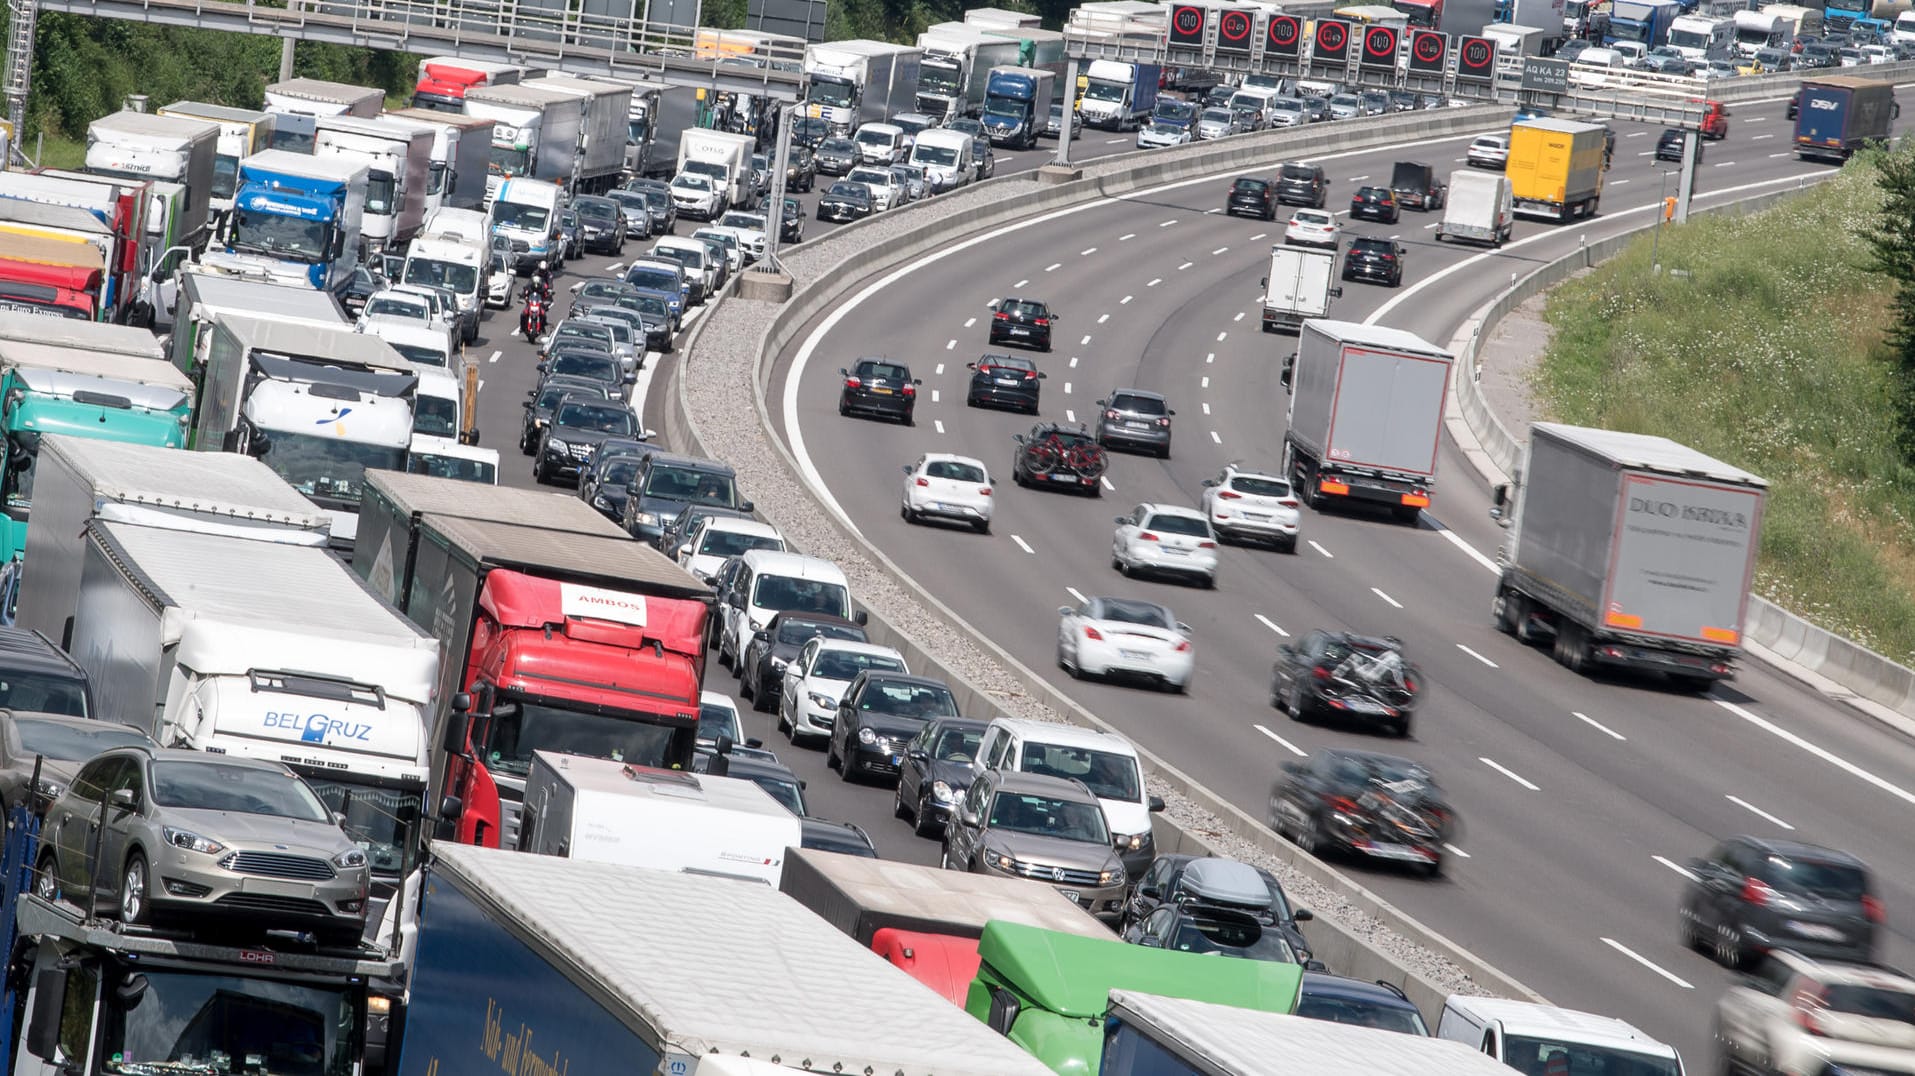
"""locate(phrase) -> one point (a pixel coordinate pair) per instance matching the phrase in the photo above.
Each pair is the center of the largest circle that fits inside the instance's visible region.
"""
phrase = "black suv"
(1669, 146)
(1344, 674)
(1374, 259)
(1252, 197)
(1026, 321)
(540, 402)
(601, 224)
(1303, 184)
(580, 423)
(801, 169)
(879, 388)
(1375, 203)
(666, 483)
(1007, 380)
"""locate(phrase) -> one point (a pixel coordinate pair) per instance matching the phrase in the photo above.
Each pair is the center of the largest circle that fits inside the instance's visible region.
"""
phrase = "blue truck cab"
(296, 221)
(1017, 102)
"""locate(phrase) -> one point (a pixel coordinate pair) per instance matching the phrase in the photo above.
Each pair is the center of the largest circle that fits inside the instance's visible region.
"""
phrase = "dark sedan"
(579, 425)
(879, 714)
(1363, 1004)
(845, 202)
(835, 156)
(791, 223)
(801, 169)
(1377, 260)
(602, 224)
(762, 668)
(1004, 381)
(1753, 894)
(879, 388)
(603, 484)
(542, 400)
(1364, 804)
(937, 769)
(1375, 203)
(1252, 197)
(844, 838)
(1340, 673)
(589, 363)
(1027, 321)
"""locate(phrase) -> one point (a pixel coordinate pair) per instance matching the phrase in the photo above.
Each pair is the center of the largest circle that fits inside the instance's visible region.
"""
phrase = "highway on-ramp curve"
(1580, 797)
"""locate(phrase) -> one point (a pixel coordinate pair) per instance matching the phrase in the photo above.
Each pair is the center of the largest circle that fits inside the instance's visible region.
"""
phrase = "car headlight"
(780, 663)
(645, 519)
(1130, 842)
(599, 500)
(350, 858)
(865, 736)
(1001, 861)
(824, 702)
(192, 842)
(553, 444)
(1111, 877)
(942, 792)
(48, 788)
(378, 1005)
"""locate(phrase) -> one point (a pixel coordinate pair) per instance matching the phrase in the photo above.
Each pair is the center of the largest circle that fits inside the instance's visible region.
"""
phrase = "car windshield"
(637, 201)
(1362, 769)
(1526, 1054)
(435, 272)
(692, 183)
(596, 333)
(1361, 1013)
(1170, 523)
(1244, 939)
(1138, 405)
(1832, 881)
(1109, 776)
(550, 395)
(597, 418)
(75, 743)
(531, 218)
(797, 631)
(1251, 186)
(847, 664)
(883, 371)
(902, 699)
(691, 485)
(869, 136)
(716, 721)
(787, 793)
(782, 592)
(1046, 816)
(219, 786)
(735, 543)
(1307, 217)
(743, 220)
(43, 694)
(870, 177)
(954, 471)
(658, 279)
(1299, 172)
(957, 745)
(1217, 115)
(936, 156)
(618, 471)
(1125, 611)
(850, 192)
(289, 238)
(1021, 308)
(584, 364)
(604, 212)
(1874, 1002)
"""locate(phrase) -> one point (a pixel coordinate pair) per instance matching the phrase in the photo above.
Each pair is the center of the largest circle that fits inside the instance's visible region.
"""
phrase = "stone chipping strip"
(726, 355)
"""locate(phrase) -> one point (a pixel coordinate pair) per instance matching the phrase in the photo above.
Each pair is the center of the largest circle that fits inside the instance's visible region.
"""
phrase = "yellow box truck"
(1556, 167)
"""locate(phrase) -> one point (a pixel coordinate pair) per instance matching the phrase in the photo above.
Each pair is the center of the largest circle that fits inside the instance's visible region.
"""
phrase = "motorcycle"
(532, 319)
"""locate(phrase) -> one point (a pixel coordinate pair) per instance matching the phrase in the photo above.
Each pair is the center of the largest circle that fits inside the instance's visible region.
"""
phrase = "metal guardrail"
(547, 33)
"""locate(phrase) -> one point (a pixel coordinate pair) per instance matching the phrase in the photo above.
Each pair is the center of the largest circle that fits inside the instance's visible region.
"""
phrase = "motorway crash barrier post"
(1341, 946)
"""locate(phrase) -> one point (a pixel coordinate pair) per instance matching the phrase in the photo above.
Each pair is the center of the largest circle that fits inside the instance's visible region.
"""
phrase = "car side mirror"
(1018, 437)
(1103, 403)
(860, 618)
(906, 468)
(1155, 803)
(1120, 520)
(1043, 376)
(761, 635)
(122, 799)
(1210, 483)
(540, 367)
(1149, 942)
(1185, 628)
(842, 372)
(1303, 915)
(967, 817)
(970, 366)
(1315, 965)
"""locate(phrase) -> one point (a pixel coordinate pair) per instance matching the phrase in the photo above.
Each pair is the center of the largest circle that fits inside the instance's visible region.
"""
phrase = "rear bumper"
(1628, 654)
(882, 406)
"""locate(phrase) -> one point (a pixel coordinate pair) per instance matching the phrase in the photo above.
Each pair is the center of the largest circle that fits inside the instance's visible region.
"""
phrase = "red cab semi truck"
(443, 80)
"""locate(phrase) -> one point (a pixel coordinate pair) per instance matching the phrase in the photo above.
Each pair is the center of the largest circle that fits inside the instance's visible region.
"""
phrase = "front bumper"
(839, 214)
(205, 888)
(563, 464)
(812, 720)
(879, 759)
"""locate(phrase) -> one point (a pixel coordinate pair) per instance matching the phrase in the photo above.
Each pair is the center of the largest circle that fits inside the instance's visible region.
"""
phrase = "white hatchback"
(1166, 539)
(815, 681)
(883, 186)
(1252, 506)
(951, 487)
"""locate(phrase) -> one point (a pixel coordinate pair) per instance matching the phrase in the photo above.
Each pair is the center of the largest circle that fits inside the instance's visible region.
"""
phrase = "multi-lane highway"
(1581, 798)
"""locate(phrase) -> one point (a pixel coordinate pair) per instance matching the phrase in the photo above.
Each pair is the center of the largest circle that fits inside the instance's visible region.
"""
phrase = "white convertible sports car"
(1125, 637)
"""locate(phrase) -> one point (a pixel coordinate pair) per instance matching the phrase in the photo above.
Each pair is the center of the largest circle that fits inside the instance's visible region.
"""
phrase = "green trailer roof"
(1074, 975)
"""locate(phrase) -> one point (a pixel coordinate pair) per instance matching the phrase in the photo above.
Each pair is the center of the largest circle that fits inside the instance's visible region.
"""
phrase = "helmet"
(542, 267)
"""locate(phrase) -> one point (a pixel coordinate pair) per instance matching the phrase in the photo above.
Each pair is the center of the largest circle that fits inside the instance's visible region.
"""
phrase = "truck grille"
(279, 865)
(1055, 875)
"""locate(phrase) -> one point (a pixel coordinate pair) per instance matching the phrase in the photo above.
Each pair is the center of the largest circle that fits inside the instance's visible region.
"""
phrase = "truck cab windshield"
(225, 176)
(180, 1022)
(827, 91)
(939, 81)
(1105, 91)
(520, 726)
(379, 192)
(328, 470)
(510, 161)
(531, 218)
(383, 821)
(436, 416)
(458, 467)
(288, 238)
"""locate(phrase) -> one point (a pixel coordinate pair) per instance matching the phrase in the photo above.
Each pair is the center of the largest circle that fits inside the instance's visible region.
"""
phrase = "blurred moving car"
(1365, 804)
(1750, 895)
(1124, 637)
(1343, 674)
(945, 486)
(1793, 1014)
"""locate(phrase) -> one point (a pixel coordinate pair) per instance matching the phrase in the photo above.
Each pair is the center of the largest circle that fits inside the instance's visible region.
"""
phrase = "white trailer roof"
(1647, 452)
(220, 292)
(1378, 336)
(85, 335)
(152, 125)
(215, 113)
(776, 982)
(324, 342)
(223, 484)
(1247, 1042)
(106, 366)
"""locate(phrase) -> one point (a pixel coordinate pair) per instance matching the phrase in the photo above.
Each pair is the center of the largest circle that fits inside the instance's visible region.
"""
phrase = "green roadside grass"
(1761, 343)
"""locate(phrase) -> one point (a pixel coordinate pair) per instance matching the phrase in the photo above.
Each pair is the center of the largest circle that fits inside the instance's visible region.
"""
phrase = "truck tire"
(1572, 646)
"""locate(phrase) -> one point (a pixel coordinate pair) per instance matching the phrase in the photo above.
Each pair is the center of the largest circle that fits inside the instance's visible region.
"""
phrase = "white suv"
(1801, 1017)
(1252, 506)
(1105, 762)
(1489, 151)
(1165, 539)
(816, 680)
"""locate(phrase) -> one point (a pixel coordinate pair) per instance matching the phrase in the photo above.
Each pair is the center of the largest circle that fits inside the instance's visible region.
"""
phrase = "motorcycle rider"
(542, 280)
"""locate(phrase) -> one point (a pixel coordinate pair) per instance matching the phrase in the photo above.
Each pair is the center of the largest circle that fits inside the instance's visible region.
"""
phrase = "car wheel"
(134, 905)
(1731, 948)
(904, 513)
(944, 858)
(784, 726)
(918, 824)
(832, 761)
(1686, 930)
(1309, 836)
(847, 767)
(1299, 708)
(1434, 868)
(46, 878)
(747, 689)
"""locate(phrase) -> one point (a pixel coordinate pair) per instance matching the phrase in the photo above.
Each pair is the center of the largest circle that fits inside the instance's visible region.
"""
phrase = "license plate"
(897, 760)
(1815, 930)
(275, 887)
(1135, 655)
(1063, 477)
(883, 392)
(1258, 516)
(1019, 330)
(1138, 425)
(1007, 381)
(1177, 552)
(1361, 706)
(1071, 894)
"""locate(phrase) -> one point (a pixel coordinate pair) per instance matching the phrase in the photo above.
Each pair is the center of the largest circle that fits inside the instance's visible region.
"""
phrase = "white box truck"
(602, 129)
(172, 149)
(206, 295)
(1366, 415)
(461, 151)
(535, 132)
(592, 967)
(398, 160)
(858, 82)
(1478, 210)
(242, 133)
(1629, 551)
(1298, 287)
(298, 102)
(956, 68)
(725, 158)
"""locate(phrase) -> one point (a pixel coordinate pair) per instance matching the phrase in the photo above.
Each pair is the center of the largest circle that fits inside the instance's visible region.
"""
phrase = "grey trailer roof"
(1378, 336)
(220, 577)
(518, 95)
(85, 335)
(314, 89)
(1228, 1041)
(904, 894)
(49, 215)
(1647, 452)
(85, 362)
(418, 495)
(224, 293)
(153, 125)
(323, 342)
(224, 484)
(775, 982)
(216, 113)
(612, 562)
(577, 86)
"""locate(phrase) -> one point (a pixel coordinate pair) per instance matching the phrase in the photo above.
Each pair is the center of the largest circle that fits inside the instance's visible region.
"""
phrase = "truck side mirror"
(1336, 292)
(258, 445)
(1499, 501)
(451, 809)
(49, 1001)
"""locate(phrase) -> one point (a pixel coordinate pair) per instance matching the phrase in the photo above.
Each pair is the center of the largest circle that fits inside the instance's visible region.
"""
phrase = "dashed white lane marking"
(1239, 316)
(1167, 224)
(1637, 134)
(1102, 318)
(939, 423)
(1428, 227)
(1154, 281)
(1205, 384)
(1272, 625)
(1210, 358)
(1069, 415)
(1067, 388)
(1258, 236)
(1677, 867)
(1617, 182)
(615, 267)
(1757, 138)
(1784, 153)
(1358, 179)
(494, 357)
(1206, 406)
(939, 372)
(950, 345)
(1285, 744)
(1221, 335)
(1647, 963)
(1477, 656)
(1818, 751)
(1598, 726)
(1645, 153)
(1756, 119)
(1107, 485)
(934, 396)
(1394, 604)
(482, 384)
(1320, 549)
(1085, 340)
(968, 322)
(1509, 773)
(1214, 438)
(1087, 252)
(1073, 362)
(1213, 210)
(1125, 301)
(1186, 265)
(1024, 545)
(1053, 267)
(1455, 851)
(1218, 251)
(1075, 593)
(1127, 236)
(1757, 811)
(1723, 164)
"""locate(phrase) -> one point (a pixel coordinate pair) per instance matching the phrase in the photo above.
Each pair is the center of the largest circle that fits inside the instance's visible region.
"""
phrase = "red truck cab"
(944, 962)
(68, 291)
(1715, 119)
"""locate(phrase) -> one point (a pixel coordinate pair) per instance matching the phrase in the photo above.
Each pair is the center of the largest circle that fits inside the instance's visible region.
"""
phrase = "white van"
(1526, 1036)
(1593, 67)
(880, 143)
(1904, 33)
(424, 344)
(947, 157)
(1105, 762)
(455, 264)
(767, 582)
(438, 408)
(1256, 100)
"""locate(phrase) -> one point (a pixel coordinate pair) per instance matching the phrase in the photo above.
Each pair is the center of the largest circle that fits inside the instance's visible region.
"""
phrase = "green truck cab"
(1049, 992)
(81, 379)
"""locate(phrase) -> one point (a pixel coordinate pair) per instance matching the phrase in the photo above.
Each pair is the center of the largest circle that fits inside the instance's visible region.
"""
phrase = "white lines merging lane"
(1647, 963)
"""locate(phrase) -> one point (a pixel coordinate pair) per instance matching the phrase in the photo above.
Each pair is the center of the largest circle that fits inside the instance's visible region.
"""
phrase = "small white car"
(1489, 151)
(1218, 123)
(882, 185)
(719, 538)
(1252, 506)
(816, 679)
(734, 251)
(500, 283)
(1165, 539)
(717, 716)
(1125, 636)
(1312, 228)
(696, 196)
(1803, 1017)
(750, 230)
(945, 486)
(394, 303)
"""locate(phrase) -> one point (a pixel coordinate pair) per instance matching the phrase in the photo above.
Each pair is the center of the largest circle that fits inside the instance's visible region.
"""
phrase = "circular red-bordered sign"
(1332, 39)
(1379, 42)
(1187, 24)
(1282, 33)
(1427, 47)
(1476, 58)
(1234, 28)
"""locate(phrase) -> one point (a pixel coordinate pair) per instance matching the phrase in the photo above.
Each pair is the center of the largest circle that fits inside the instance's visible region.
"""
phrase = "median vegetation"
(1769, 341)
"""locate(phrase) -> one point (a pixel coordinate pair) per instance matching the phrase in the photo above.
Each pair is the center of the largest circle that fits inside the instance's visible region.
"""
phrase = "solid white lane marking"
(1320, 549)
(1509, 773)
(939, 424)
(1394, 604)
(1285, 744)
(1272, 625)
(968, 322)
(1126, 237)
(1674, 866)
(1214, 438)
(1024, 545)
(1757, 811)
(1818, 751)
(1647, 963)
(1075, 593)
(1087, 252)
(1455, 851)
(1206, 406)
(934, 396)
(1106, 481)
(1053, 267)
(1597, 725)
(494, 357)
(950, 345)
(1477, 656)
(1154, 281)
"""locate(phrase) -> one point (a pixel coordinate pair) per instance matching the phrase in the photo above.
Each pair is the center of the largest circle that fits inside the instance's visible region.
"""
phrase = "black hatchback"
(1375, 203)
(879, 388)
(1374, 259)
(1004, 381)
(1669, 146)
(1253, 197)
(1026, 321)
